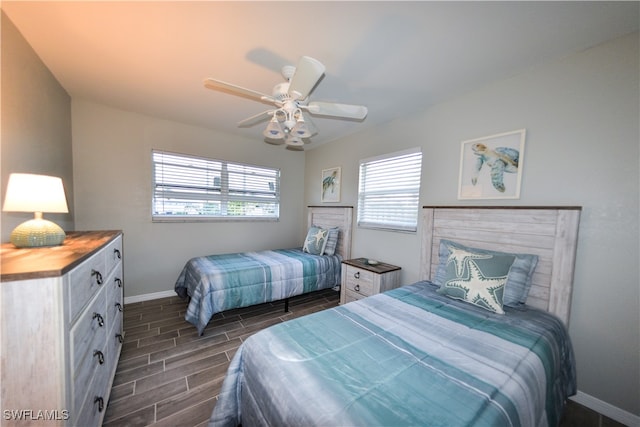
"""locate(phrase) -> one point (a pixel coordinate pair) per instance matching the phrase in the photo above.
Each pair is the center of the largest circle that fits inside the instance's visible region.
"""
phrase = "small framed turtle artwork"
(491, 167)
(331, 185)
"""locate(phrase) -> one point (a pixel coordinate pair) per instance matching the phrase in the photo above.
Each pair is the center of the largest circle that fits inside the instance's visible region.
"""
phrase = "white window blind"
(388, 191)
(191, 188)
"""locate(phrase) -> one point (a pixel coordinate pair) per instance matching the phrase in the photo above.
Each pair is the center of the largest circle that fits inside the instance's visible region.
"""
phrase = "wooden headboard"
(549, 232)
(334, 216)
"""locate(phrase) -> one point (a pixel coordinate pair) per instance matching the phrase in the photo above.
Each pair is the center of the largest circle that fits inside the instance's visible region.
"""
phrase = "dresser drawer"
(359, 281)
(115, 314)
(115, 339)
(88, 339)
(113, 254)
(95, 396)
(115, 304)
(84, 282)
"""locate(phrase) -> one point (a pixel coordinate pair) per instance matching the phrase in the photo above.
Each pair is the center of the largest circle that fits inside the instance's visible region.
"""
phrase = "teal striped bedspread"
(408, 357)
(216, 283)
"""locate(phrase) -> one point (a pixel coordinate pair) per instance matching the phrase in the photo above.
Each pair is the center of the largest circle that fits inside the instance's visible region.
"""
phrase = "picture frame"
(330, 188)
(491, 166)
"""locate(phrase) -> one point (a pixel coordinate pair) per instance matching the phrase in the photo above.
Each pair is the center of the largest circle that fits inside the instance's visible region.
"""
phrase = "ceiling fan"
(289, 120)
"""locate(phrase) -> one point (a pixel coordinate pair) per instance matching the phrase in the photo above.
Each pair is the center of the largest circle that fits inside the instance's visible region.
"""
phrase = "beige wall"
(35, 120)
(112, 179)
(582, 148)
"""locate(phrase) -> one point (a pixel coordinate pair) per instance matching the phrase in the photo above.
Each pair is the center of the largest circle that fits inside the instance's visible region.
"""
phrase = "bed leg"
(286, 305)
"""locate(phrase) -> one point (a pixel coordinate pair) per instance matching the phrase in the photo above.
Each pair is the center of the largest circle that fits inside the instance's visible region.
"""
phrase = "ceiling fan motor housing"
(281, 92)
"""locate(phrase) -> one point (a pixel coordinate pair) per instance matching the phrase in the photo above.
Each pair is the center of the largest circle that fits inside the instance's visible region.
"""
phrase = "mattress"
(409, 356)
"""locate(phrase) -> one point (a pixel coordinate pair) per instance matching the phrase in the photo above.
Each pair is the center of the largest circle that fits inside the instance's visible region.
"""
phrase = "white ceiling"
(394, 57)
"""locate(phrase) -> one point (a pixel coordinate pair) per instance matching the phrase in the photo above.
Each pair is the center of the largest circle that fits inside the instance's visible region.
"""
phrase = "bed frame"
(549, 232)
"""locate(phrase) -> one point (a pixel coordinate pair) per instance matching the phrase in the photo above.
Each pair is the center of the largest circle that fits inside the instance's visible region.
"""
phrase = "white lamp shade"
(294, 141)
(300, 129)
(35, 193)
(274, 130)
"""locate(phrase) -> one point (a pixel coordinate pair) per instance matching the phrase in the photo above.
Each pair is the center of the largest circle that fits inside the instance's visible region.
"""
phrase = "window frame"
(219, 190)
(364, 217)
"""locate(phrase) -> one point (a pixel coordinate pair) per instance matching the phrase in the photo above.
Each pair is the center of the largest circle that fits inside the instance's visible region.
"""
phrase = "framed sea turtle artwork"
(491, 167)
(331, 185)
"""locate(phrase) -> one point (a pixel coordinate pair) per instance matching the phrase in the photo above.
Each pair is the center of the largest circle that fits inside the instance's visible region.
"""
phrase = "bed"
(416, 355)
(215, 283)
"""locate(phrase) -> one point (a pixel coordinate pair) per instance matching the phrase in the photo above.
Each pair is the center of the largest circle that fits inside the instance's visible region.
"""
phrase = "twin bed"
(216, 283)
(481, 339)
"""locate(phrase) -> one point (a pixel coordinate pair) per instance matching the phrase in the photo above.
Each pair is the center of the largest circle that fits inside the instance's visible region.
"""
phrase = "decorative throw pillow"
(519, 279)
(315, 241)
(332, 241)
(476, 277)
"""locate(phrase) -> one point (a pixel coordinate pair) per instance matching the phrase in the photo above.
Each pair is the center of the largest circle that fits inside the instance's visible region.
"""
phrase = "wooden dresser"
(61, 329)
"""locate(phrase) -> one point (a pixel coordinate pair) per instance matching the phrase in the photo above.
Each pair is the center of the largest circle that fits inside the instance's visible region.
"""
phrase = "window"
(195, 188)
(389, 190)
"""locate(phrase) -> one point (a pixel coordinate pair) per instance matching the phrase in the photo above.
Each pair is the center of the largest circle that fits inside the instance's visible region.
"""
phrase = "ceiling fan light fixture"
(295, 141)
(290, 98)
(274, 130)
(301, 129)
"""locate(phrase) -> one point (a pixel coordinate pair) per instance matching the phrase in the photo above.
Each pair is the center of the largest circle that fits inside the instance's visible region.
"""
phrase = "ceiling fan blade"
(308, 72)
(236, 90)
(254, 120)
(332, 109)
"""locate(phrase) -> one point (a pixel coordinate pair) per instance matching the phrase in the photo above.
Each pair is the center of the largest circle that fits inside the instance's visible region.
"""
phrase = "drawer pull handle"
(119, 307)
(118, 282)
(100, 319)
(120, 338)
(356, 288)
(100, 357)
(100, 402)
(117, 253)
(356, 275)
(98, 276)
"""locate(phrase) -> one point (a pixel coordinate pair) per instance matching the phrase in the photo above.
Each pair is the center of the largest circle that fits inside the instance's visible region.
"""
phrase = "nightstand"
(361, 279)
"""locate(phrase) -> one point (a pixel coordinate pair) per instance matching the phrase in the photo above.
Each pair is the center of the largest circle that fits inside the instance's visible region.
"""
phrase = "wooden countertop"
(51, 261)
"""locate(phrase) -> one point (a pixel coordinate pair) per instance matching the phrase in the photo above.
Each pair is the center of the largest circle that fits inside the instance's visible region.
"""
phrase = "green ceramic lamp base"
(37, 233)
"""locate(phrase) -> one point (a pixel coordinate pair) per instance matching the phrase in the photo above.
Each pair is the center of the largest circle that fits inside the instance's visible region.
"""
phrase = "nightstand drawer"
(352, 296)
(359, 275)
(360, 281)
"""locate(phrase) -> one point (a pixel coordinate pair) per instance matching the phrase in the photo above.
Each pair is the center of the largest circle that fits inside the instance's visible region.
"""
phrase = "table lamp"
(37, 194)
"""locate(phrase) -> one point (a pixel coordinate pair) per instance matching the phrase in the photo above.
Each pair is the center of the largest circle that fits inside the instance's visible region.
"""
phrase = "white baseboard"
(606, 409)
(149, 297)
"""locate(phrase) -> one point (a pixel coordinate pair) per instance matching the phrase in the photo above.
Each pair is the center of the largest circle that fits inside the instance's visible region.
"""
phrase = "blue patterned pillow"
(315, 241)
(519, 279)
(332, 241)
(478, 278)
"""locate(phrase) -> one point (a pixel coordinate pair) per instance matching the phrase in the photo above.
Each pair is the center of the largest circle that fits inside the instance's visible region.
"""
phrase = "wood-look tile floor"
(169, 376)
